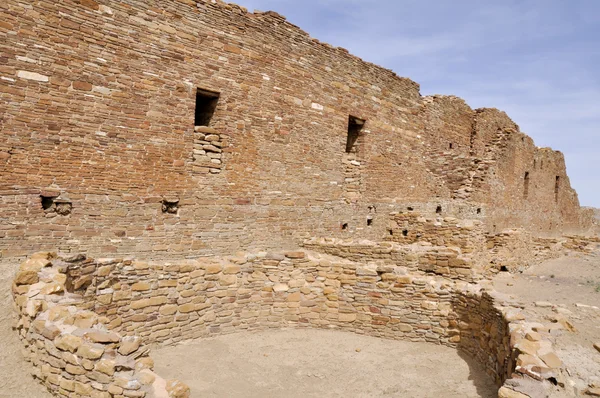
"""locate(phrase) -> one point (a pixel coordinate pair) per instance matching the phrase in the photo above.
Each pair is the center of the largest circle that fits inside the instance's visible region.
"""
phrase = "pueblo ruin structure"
(252, 177)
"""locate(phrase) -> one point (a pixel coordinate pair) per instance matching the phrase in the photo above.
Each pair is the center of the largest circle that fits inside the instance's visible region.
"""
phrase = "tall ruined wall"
(98, 107)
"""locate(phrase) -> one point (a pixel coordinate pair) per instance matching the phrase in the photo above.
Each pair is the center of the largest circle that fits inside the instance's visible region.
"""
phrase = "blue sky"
(538, 60)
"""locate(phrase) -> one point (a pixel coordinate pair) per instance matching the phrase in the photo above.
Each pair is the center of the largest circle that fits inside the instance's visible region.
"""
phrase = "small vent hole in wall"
(47, 201)
(170, 206)
(450, 146)
(409, 208)
(391, 231)
(206, 103)
(438, 210)
(503, 268)
(369, 222)
(344, 226)
(355, 125)
(479, 210)
(405, 232)
(60, 204)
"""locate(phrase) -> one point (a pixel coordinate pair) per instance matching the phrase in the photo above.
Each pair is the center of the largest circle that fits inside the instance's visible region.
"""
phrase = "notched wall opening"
(355, 125)
(170, 205)
(53, 204)
(345, 226)
(206, 103)
(47, 201)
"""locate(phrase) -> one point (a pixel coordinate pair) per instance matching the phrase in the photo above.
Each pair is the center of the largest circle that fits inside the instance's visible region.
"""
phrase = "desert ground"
(324, 363)
(320, 363)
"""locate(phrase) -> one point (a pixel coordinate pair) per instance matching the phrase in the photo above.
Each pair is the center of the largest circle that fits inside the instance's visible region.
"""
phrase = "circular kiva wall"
(85, 322)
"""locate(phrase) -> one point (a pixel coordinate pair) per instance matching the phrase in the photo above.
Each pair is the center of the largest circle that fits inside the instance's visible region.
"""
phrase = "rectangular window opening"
(556, 188)
(206, 103)
(355, 125)
(526, 186)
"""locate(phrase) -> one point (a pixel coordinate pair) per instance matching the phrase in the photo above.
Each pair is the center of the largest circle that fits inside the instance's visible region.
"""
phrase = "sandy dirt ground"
(15, 373)
(320, 363)
(565, 288)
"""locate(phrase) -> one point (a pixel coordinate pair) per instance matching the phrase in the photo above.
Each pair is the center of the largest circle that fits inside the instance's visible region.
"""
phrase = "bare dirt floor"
(320, 363)
(565, 291)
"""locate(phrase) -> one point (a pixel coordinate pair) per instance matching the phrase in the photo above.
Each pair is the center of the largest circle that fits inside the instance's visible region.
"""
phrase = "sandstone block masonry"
(72, 351)
(244, 129)
(85, 323)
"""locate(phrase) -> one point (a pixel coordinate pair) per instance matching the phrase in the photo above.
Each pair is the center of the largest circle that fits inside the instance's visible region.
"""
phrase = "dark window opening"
(170, 206)
(556, 188)
(479, 210)
(503, 268)
(206, 103)
(355, 125)
(451, 146)
(405, 232)
(369, 222)
(526, 185)
(409, 208)
(438, 210)
(47, 201)
(59, 204)
(345, 225)
(391, 231)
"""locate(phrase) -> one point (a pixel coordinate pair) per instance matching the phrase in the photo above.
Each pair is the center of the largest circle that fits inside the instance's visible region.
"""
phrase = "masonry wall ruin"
(100, 106)
(85, 322)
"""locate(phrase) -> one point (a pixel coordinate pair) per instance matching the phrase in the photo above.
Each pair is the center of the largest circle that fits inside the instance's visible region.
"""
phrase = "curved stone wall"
(170, 302)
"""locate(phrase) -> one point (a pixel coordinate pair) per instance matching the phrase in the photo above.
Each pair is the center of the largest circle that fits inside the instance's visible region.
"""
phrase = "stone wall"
(72, 352)
(100, 101)
(71, 306)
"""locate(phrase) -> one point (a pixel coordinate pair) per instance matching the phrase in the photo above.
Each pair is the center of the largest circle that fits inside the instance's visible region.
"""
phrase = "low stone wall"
(515, 250)
(167, 303)
(411, 227)
(417, 258)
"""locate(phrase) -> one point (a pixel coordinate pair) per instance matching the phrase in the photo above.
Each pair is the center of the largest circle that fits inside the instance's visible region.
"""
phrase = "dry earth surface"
(567, 288)
(320, 363)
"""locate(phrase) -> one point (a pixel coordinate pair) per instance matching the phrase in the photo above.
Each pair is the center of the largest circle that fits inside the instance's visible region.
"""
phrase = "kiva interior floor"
(320, 363)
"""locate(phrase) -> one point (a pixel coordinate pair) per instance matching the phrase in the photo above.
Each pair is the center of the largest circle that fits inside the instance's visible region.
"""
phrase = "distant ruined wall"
(99, 152)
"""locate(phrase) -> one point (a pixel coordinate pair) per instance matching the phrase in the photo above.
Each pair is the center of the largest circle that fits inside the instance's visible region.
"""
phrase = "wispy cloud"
(535, 59)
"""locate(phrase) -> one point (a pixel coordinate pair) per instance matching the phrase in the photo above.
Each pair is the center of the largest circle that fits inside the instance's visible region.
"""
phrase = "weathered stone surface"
(68, 342)
(98, 336)
(177, 389)
(506, 392)
(90, 351)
